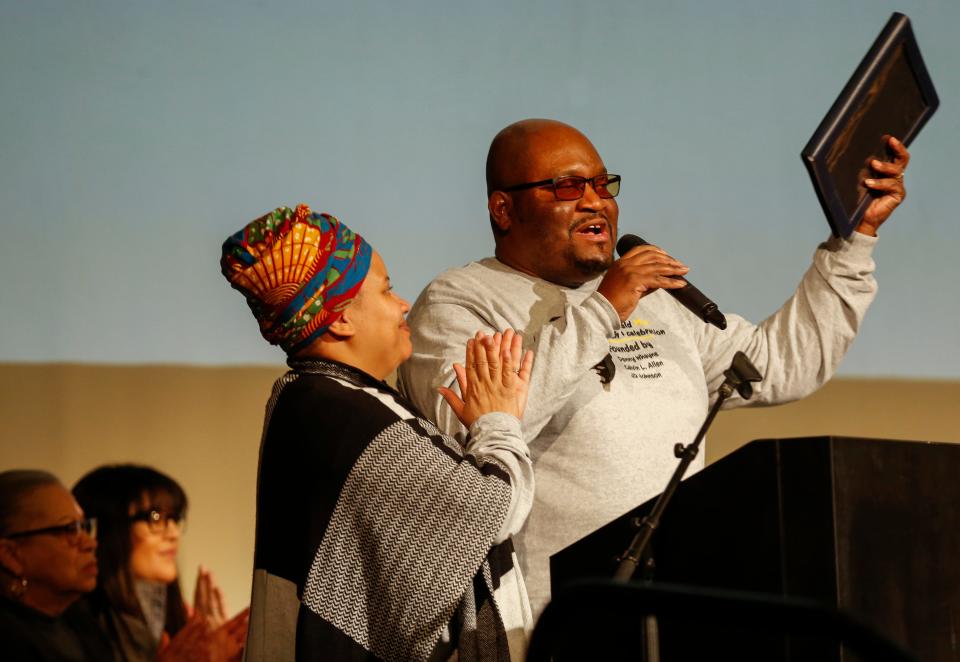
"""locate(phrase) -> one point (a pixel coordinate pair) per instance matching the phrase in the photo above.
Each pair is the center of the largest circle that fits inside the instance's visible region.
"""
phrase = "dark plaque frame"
(890, 93)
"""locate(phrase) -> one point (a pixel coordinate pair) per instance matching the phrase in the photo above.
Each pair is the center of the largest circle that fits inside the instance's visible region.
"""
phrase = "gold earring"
(18, 587)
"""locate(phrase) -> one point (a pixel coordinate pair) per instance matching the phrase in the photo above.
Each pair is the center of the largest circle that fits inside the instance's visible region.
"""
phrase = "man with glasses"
(622, 371)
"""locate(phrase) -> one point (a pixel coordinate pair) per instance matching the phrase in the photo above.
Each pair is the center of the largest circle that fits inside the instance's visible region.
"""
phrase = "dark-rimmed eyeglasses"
(71, 531)
(157, 520)
(572, 187)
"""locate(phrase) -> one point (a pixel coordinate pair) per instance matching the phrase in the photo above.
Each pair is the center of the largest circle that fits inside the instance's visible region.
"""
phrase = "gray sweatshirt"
(600, 443)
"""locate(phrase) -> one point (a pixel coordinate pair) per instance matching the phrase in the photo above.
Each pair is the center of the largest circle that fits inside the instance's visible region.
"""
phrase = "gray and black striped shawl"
(374, 530)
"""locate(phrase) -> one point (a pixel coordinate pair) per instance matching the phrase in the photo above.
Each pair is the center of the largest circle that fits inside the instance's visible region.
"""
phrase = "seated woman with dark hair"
(47, 562)
(140, 514)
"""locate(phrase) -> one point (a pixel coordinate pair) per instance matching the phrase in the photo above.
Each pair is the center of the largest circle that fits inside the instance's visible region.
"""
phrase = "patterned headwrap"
(298, 271)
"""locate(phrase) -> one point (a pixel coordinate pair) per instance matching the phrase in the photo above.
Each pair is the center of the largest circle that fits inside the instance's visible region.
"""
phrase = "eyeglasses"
(70, 531)
(158, 521)
(572, 187)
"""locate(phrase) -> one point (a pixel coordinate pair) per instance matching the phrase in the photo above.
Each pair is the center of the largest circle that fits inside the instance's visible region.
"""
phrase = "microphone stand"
(738, 378)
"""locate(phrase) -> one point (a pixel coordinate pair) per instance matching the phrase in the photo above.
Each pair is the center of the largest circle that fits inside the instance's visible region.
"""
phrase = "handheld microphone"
(692, 298)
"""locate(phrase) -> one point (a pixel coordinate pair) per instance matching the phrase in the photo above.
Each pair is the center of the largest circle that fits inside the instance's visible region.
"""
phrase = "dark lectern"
(867, 526)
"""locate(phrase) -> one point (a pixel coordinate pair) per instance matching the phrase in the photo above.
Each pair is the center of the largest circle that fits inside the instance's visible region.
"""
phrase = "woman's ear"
(344, 326)
(10, 558)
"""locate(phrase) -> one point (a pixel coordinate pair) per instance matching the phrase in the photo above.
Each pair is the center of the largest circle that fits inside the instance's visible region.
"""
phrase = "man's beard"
(590, 267)
(593, 266)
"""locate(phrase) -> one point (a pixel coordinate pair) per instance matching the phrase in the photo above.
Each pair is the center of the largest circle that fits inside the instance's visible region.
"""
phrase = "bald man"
(622, 372)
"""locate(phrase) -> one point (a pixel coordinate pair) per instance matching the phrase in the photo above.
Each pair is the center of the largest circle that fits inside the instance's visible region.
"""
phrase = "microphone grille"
(627, 242)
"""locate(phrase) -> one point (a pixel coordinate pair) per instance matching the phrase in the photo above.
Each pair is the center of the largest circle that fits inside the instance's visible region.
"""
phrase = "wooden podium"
(870, 527)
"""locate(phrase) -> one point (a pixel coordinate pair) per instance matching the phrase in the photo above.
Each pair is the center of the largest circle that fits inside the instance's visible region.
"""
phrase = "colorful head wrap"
(298, 271)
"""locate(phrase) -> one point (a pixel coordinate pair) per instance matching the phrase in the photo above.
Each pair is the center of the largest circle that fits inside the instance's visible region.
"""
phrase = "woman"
(378, 537)
(140, 514)
(47, 562)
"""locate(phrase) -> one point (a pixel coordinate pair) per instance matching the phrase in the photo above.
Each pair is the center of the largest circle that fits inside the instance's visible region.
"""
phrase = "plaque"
(890, 93)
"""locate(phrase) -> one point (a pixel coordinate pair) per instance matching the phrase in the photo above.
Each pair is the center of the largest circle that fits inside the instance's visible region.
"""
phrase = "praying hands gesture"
(494, 377)
(198, 641)
(209, 635)
(208, 599)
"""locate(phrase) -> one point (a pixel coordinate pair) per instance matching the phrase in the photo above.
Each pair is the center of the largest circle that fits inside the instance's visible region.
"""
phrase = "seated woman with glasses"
(47, 562)
(140, 516)
(378, 537)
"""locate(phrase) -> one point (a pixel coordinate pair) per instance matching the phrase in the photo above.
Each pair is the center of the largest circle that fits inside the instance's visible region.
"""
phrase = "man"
(623, 372)
(378, 537)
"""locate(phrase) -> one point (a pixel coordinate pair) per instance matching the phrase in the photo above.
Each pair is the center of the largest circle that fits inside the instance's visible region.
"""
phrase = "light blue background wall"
(135, 136)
